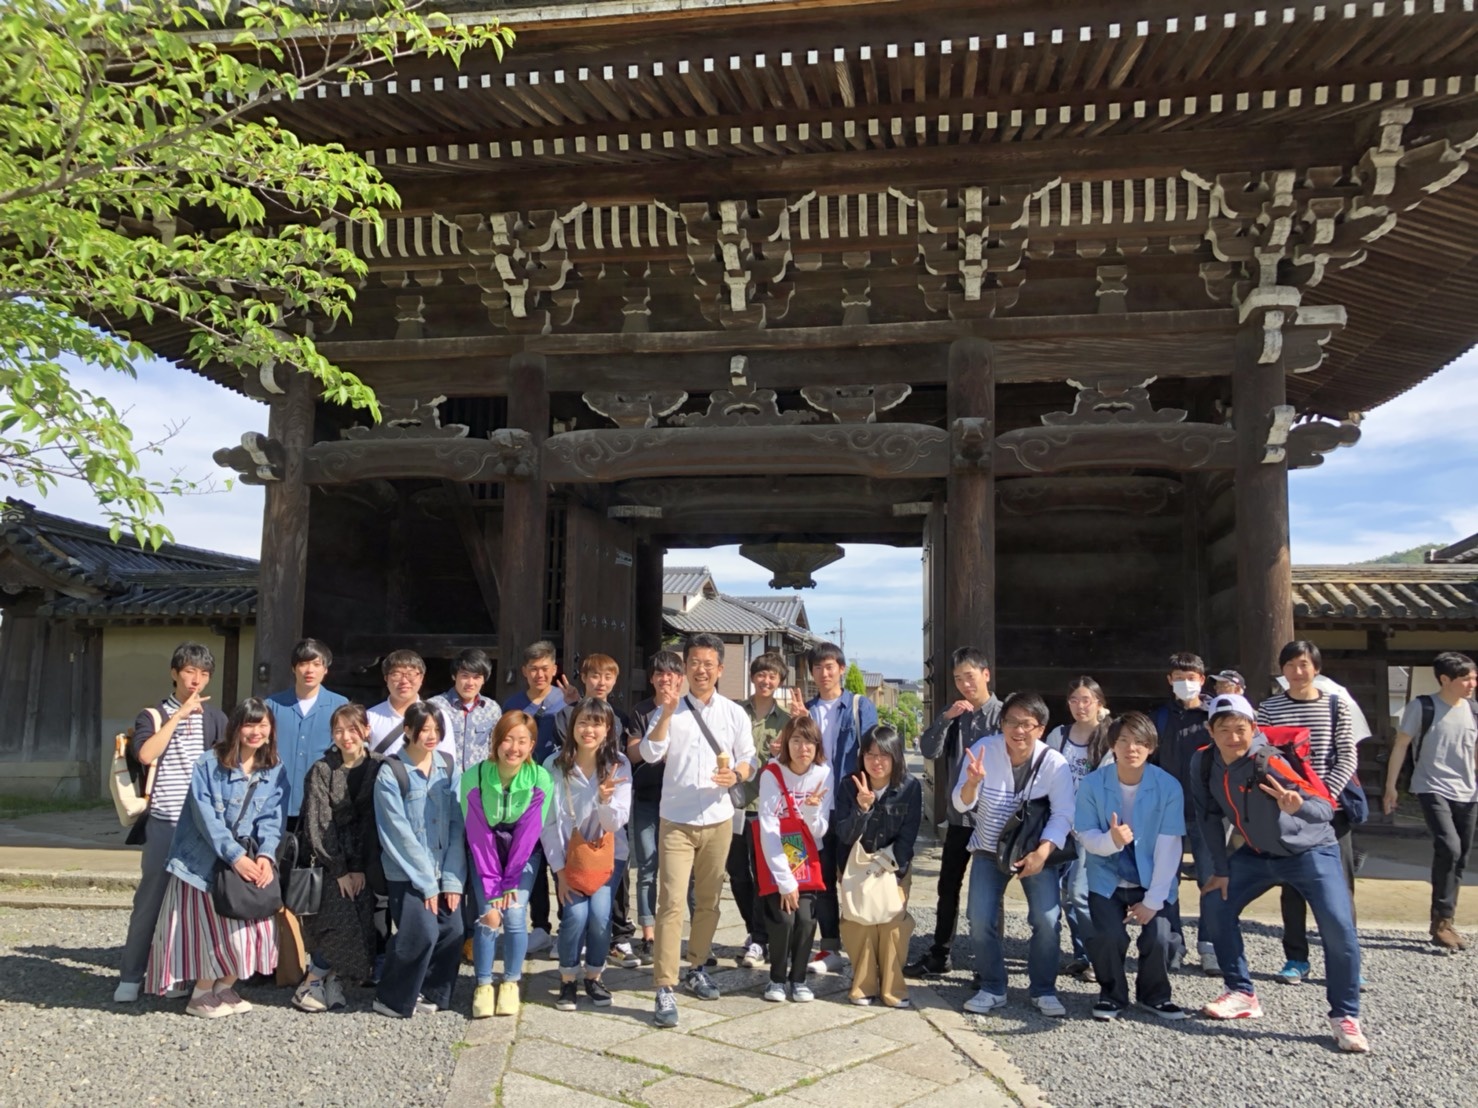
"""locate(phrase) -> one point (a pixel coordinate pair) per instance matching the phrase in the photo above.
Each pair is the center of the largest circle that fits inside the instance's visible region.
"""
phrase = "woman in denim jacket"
(192, 941)
(419, 817)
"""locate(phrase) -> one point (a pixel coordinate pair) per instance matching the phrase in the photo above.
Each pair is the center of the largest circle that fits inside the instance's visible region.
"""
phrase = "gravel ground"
(1420, 1011)
(64, 1042)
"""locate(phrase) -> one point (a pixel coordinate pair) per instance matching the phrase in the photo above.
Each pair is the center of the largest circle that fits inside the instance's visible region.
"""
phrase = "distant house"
(880, 690)
(87, 630)
(749, 626)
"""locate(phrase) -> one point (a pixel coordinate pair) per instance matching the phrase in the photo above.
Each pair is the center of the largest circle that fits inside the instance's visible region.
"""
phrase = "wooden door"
(599, 595)
(938, 679)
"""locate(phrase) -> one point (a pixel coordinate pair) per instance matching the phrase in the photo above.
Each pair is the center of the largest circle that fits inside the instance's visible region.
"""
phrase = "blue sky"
(1409, 480)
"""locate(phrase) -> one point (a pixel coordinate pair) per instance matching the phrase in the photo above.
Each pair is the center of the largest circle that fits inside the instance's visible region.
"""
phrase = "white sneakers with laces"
(1234, 1006)
(1348, 1036)
(982, 1002)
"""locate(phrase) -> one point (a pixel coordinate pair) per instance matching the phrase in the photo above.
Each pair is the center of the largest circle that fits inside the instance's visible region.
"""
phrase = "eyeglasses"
(1019, 724)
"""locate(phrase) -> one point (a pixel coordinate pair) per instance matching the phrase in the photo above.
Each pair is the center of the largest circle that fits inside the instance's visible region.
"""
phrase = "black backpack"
(1429, 715)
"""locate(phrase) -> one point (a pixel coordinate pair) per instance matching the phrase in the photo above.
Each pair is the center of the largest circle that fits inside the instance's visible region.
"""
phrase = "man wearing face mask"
(1181, 724)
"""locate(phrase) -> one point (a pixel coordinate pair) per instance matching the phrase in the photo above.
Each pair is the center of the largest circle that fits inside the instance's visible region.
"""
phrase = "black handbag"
(233, 896)
(1022, 833)
(302, 886)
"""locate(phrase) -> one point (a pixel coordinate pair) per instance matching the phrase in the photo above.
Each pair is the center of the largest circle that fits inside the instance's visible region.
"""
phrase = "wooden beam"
(525, 528)
(1073, 159)
(970, 501)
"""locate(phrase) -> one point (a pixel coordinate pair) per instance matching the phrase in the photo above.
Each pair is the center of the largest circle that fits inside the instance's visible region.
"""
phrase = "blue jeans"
(987, 884)
(586, 921)
(515, 927)
(423, 955)
(1074, 897)
(1318, 875)
(642, 834)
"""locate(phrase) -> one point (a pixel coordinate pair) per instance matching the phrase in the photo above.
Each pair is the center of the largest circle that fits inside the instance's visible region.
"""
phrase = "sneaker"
(697, 982)
(753, 955)
(127, 992)
(509, 1000)
(333, 992)
(596, 990)
(378, 971)
(1234, 1006)
(424, 1007)
(233, 1002)
(1445, 935)
(1348, 1036)
(712, 962)
(1076, 968)
(1106, 1009)
(861, 1001)
(539, 940)
(775, 992)
(484, 1002)
(208, 1007)
(312, 996)
(385, 1010)
(982, 1002)
(467, 951)
(644, 952)
(569, 996)
(901, 1002)
(827, 961)
(1049, 1005)
(801, 994)
(178, 992)
(1209, 965)
(622, 955)
(1167, 1011)
(932, 964)
(1293, 973)
(664, 1013)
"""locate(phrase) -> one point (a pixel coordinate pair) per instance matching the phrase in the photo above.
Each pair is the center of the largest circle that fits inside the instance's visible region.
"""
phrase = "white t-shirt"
(384, 719)
(1077, 756)
(829, 718)
(306, 706)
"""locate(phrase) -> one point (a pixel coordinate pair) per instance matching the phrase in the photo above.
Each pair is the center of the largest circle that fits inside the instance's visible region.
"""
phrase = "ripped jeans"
(514, 928)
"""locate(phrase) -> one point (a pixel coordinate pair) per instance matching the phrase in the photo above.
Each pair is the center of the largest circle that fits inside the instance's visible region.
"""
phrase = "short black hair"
(1186, 660)
(192, 654)
(1139, 725)
(416, 715)
(968, 656)
(474, 661)
(665, 661)
(825, 652)
(888, 741)
(704, 641)
(536, 651)
(769, 662)
(1028, 702)
(1297, 648)
(402, 659)
(312, 650)
(1452, 665)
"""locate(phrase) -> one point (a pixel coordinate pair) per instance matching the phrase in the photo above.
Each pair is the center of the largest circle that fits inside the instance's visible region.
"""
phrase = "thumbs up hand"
(1121, 833)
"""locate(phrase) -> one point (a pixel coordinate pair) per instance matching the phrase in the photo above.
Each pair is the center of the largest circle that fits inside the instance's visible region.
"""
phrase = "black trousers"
(1110, 944)
(539, 898)
(827, 912)
(952, 868)
(791, 934)
(622, 929)
(1452, 826)
(1295, 908)
(742, 881)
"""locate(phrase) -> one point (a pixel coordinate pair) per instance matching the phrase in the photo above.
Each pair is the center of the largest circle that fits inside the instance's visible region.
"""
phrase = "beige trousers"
(683, 851)
(878, 953)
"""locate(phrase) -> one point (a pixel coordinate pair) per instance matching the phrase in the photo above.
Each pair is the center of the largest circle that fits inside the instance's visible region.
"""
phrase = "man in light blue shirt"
(302, 715)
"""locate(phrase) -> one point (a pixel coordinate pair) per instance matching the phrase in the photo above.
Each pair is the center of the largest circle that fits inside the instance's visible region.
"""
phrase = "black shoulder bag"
(1024, 827)
(235, 897)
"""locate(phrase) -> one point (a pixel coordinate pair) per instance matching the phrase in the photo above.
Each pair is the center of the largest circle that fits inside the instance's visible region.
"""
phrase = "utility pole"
(839, 634)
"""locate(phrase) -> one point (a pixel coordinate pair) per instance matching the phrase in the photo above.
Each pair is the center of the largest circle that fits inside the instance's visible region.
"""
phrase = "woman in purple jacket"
(505, 801)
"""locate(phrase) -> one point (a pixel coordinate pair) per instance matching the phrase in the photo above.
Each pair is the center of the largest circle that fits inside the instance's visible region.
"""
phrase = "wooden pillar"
(648, 606)
(525, 527)
(970, 526)
(1264, 571)
(282, 576)
(1377, 649)
(231, 664)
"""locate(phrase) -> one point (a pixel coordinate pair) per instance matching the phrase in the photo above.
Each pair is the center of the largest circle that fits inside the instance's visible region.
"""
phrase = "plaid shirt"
(472, 728)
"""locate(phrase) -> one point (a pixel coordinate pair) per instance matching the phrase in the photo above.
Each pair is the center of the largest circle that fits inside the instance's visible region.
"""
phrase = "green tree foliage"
(901, 720)
(853, 680)
(145, 180)
(1413, 557)
(911, 703)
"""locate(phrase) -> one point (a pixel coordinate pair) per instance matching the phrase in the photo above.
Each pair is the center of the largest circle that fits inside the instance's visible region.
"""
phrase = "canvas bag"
(129, 781)
(797, 842)
(867, 891)
(588, 865)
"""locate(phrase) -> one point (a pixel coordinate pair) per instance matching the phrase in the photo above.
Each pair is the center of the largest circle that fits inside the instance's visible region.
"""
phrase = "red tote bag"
(798, 844)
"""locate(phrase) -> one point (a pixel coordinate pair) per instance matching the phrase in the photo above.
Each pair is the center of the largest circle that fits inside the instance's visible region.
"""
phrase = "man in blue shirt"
(302, 715)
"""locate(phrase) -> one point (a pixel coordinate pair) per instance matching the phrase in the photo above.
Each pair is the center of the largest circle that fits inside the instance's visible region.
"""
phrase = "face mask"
(1186, 690)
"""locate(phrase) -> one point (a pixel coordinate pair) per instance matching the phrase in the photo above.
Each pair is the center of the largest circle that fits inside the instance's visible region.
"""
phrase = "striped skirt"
(193, 943)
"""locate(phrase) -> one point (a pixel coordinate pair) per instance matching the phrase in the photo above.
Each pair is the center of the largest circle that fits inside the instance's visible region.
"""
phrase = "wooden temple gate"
(1059, 296)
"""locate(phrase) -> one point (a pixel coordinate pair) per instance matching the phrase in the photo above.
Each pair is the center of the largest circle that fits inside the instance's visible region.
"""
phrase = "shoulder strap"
(1058, 740)
(1429, 713)
(857, 716)
(702, 726)
(245, 800)
(385, 743)
(402, 776)
(1026, 789)
(784, 792)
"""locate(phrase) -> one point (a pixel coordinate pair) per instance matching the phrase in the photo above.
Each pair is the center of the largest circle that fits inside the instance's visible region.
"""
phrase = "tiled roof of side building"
(684, 580)
(789, 609)
(1446, 594)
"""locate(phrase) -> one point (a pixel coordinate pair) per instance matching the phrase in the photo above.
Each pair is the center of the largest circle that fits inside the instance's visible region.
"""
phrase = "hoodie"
(1232, 793)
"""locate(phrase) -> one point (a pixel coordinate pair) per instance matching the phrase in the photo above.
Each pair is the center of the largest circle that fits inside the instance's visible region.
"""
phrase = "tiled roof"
(684, 580)
(102, 579)
(786, 608)
(730, 615)
(872, 680)
(1386, 593)
(1464, 550)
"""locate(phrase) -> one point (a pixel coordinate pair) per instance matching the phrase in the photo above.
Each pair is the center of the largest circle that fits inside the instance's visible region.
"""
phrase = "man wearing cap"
(1229, 682)
(1287, 821)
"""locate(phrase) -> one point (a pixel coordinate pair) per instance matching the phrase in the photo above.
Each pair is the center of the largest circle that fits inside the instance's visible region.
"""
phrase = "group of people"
(439, 823)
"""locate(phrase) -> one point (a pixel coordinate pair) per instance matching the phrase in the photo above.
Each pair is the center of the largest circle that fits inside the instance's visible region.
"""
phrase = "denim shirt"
(421, 833)
(302, 740)
(203, 834)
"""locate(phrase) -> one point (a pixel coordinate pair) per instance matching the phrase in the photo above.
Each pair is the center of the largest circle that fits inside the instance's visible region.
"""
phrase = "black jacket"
(893, 820)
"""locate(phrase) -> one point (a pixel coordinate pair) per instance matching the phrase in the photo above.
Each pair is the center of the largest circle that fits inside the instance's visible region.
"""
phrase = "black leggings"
(791, 934)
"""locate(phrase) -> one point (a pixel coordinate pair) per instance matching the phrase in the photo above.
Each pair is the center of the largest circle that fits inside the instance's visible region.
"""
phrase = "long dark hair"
(887, 740)
(228, 748)
(416, 715)
(606, 754)
(1099, 743)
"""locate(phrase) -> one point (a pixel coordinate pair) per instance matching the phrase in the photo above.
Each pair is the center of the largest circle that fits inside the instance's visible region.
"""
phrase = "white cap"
(1230, 702)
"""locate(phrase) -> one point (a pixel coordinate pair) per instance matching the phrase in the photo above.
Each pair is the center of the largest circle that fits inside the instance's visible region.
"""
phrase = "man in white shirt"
(404, 672)
(697, 814)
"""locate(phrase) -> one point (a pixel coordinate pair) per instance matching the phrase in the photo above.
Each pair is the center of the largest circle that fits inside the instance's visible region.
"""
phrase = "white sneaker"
(539, 940)
(1049, 1006)
(982, 1002)
(1209, 965)
(127, 992)
(753, 955)
(775, 992)
(1348, 1036)
(827, 961)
